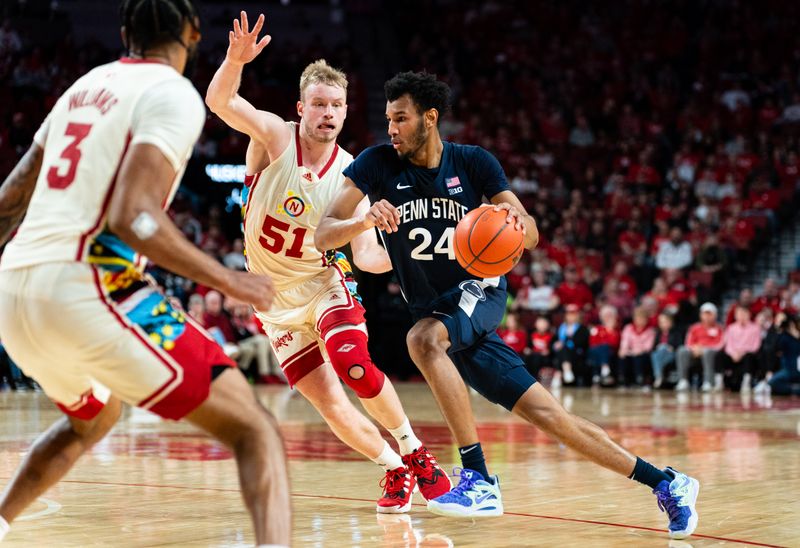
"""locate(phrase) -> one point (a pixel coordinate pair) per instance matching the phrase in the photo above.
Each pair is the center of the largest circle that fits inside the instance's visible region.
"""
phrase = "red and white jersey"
(85, 137)
(284, 205)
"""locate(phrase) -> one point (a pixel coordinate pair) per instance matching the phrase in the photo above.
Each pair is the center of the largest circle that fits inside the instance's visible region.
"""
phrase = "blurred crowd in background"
(655, 143)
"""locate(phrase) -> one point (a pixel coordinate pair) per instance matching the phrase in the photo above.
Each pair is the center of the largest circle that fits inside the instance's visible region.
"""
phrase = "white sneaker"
(473, 497)
(569, 377)
(682, 386)
(556, 382)
(657, 382)
(706, 387)
(762, 387)
(746, 381)
(719, 385)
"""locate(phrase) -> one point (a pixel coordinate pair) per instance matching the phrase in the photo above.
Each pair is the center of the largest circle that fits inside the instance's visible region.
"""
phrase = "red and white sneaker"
(432, 481)
(398, 486)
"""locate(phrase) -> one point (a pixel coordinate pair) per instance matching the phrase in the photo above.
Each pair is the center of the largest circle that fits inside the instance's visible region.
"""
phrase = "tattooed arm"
(17, 189)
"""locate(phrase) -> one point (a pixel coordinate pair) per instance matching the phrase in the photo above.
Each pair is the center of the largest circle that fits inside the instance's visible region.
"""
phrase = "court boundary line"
(418, 504)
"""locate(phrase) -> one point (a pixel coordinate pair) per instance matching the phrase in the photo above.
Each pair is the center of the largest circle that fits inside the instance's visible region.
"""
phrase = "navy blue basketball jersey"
(431, 202)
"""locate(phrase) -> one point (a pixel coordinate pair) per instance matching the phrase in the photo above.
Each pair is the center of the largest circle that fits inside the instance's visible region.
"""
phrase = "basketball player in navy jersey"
(420, 187)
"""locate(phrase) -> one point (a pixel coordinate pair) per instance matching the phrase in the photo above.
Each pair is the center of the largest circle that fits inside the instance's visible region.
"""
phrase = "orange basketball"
(485, 244)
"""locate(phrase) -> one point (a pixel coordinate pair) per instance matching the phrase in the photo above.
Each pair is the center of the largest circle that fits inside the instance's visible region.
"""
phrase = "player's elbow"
(322, 239)
(214, 104)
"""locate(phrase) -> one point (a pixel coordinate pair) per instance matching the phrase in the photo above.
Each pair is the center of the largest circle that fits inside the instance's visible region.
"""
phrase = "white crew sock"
(388, 459)
(4, 528)
(405, 437)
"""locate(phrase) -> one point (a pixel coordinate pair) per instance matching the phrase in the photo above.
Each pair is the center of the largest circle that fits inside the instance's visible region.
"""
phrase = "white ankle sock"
(388, 459)
(405, 437)
(4, 527)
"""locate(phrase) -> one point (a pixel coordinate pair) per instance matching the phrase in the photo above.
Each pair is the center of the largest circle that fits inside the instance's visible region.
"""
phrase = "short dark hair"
(424, 89)
(150, 23)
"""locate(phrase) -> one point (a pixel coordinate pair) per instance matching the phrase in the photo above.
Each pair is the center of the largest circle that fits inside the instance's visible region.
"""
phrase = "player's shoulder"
(377, 154)
(468, 152)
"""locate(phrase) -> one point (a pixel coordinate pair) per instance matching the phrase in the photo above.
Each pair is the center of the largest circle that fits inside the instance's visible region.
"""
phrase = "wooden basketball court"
(152, 483)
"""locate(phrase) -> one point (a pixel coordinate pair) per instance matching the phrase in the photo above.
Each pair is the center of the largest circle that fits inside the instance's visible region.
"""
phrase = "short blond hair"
(320, 72)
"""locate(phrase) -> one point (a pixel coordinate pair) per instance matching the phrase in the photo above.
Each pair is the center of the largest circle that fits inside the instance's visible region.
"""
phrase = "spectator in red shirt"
(624, 281)
(513, 334)
(603, 345)
(703, 341)
(541, 340)
(632, 242)
(573, 290)
(217, 322)
(769, 298)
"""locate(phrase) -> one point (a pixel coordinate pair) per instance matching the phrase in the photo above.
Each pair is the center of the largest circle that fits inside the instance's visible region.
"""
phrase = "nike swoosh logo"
(479, 500)
(401, 187)
(463, 452)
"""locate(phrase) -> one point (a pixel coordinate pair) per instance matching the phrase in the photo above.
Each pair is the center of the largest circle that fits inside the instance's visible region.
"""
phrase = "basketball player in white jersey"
(77, 313)
(316, 323)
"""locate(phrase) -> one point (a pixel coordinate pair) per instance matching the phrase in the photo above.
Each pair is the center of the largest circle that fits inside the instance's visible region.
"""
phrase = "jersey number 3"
(71, 154)
(273, 237)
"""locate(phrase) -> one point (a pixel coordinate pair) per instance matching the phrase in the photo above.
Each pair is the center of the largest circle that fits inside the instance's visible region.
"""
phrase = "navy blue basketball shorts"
(471, 313)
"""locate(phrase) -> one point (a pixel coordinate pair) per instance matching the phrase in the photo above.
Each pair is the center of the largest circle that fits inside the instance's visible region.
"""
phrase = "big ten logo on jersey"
(453, 185)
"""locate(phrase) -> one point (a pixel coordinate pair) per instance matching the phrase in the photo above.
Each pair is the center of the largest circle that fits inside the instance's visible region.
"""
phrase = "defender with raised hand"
(316, 323)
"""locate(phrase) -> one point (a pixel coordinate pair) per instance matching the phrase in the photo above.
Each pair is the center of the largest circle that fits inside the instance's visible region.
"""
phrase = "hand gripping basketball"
(489, 240)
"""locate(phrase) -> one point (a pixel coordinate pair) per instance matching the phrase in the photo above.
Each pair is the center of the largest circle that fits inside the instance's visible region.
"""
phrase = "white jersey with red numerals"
(85, 137)
(284, 204)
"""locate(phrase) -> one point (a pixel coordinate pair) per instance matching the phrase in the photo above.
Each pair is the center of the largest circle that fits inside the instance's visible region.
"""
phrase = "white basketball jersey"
(283, 208)
(85, 137)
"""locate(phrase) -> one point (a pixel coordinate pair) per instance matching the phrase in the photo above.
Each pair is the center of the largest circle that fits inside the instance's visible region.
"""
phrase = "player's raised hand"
(514, 215)
(243, 44)
(383, 215)
(250, 288)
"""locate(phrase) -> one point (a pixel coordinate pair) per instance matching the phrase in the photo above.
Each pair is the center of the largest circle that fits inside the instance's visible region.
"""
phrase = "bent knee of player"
(425, 343)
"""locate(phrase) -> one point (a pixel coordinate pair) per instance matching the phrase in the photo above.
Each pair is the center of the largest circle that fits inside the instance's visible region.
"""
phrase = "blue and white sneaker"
(473, 497)
(678, 499)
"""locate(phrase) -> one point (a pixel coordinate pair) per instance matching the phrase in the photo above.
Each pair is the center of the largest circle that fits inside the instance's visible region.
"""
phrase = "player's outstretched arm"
(516, 214)
(136, 216)
(223, 98)
(368, 254)
(339, 224)
(17, 189)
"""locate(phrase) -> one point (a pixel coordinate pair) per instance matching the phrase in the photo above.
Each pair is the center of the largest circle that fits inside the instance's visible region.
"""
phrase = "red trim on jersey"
(297, 145)
(351, 312)
(137, 61)
(328, 164)
(106, 202)
(127, 325)
(302, 363)
(254, 182)
(85, 408)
